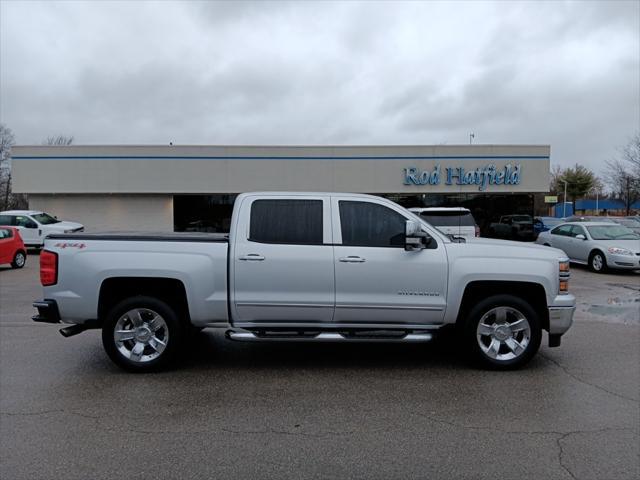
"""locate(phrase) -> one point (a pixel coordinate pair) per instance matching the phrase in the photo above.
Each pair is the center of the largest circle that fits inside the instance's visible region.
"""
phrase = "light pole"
(471, 137)
(564, 200)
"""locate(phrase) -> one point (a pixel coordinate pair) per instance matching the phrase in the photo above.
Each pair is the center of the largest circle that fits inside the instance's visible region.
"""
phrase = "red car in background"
(12, 248)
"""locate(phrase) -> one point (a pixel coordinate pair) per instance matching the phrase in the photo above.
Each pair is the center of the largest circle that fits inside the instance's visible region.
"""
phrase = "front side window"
(22, 221)
(368, 224)
(297, 222)
(576, 230)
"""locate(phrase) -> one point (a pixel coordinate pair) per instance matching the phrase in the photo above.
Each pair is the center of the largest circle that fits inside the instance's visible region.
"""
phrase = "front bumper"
(629, 262)
(47, 311)
(560, 319)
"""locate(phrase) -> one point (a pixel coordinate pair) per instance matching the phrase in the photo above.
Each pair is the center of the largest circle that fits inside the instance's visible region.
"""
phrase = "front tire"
(142, 334)
(503, 332)
(597, 262)
(19, 259)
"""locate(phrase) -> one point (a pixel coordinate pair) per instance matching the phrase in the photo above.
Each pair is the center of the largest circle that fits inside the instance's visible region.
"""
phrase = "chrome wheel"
(503, 333)
(141, 335)
(19, 260)
(597, 262)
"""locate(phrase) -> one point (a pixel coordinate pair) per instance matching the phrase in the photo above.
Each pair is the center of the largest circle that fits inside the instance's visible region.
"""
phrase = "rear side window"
(6, 220)
(371, 225)
(449, 219)
(5, 233)
(286, 221)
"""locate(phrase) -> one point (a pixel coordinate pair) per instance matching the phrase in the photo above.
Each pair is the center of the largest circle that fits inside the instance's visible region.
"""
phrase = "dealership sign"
(481, 176)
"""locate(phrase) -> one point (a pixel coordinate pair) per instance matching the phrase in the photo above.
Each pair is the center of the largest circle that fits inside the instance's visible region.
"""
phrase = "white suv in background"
(34, 225)
(456, 221)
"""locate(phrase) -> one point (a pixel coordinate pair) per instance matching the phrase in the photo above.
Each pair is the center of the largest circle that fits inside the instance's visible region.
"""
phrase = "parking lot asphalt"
(234, 410)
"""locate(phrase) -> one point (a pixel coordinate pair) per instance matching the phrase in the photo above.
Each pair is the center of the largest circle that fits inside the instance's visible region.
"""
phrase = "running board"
(327, 337)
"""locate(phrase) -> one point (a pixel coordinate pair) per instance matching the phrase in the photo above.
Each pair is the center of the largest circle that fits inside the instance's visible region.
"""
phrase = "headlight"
(68, 231)
(620, 251)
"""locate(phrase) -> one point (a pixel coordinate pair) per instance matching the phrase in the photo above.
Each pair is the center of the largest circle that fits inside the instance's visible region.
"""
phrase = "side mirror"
(581, 237)
(414, 237)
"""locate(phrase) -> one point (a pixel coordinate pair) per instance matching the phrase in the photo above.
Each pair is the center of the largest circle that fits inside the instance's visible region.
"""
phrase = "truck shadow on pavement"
(210, 350)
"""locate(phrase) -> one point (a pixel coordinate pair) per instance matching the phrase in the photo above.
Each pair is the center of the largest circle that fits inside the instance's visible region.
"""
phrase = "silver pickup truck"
(321, 267)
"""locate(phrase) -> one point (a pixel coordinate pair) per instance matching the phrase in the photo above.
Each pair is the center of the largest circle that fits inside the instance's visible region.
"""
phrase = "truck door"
(283, 261)
(377, 280)
(31, 234)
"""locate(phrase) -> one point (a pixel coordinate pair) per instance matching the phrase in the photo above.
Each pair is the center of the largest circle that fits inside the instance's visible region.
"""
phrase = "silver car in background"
(600, 245)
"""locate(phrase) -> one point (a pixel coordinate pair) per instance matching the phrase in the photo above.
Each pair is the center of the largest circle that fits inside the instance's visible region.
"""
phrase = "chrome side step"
(244, 336)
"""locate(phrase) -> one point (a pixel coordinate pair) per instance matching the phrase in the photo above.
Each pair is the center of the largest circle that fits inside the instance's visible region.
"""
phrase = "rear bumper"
(47, 311)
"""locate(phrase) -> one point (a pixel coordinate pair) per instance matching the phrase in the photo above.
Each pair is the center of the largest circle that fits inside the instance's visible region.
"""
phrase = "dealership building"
(182, 188)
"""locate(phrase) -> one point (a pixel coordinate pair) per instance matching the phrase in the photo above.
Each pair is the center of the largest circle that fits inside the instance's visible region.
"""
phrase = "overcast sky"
(564, 74)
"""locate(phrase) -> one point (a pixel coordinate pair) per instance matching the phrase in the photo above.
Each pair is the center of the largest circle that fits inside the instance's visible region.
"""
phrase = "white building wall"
(182, 169)
(110, 212)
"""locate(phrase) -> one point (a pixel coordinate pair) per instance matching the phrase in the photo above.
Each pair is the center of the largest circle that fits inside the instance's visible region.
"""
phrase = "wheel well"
(533, 293)
(594, 251)
(169, 290)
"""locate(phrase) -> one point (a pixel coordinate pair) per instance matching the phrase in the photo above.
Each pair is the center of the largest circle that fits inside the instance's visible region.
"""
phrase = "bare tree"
(623, 173)
(59, 141)
(7, 140)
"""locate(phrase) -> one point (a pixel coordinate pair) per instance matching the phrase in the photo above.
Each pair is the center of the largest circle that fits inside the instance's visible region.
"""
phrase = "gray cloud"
(564, 73)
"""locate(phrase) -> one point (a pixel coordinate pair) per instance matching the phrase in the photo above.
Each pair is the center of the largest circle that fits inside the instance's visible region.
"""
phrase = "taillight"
(477, 231)
(48, 268)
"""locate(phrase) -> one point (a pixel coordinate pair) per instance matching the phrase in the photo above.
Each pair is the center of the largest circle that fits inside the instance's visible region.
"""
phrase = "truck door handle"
(352, 259)
(252, 257)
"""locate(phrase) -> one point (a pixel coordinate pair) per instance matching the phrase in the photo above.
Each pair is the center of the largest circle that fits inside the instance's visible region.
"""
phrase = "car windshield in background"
(613, 232)
(449, 219)
(521, 218)
(629, 223)
(45, 219)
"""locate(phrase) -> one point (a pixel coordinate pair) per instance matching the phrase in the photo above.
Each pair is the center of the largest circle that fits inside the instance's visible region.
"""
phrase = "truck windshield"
(612, 232)
(449, 219)
(45, 218)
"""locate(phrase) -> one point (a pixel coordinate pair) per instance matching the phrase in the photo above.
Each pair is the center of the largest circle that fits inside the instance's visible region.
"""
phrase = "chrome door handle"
(352, 259)
(253, 257)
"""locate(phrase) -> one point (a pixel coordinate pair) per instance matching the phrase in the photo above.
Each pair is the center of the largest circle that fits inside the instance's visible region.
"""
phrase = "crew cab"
(34, 225)
(314, 267)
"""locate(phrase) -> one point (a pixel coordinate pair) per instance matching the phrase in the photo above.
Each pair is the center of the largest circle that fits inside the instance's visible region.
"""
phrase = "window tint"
(5, 233)
(449, 219)
(564, 230)
(45, 218)
(21, 221)
(576, 230)
(371, 225)
(5, 220)
(286, 221)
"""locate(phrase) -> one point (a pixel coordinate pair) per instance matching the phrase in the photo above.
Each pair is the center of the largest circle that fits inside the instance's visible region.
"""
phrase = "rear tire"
(19, 259)
(142, 334)
(597, 262)
(502, 332)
